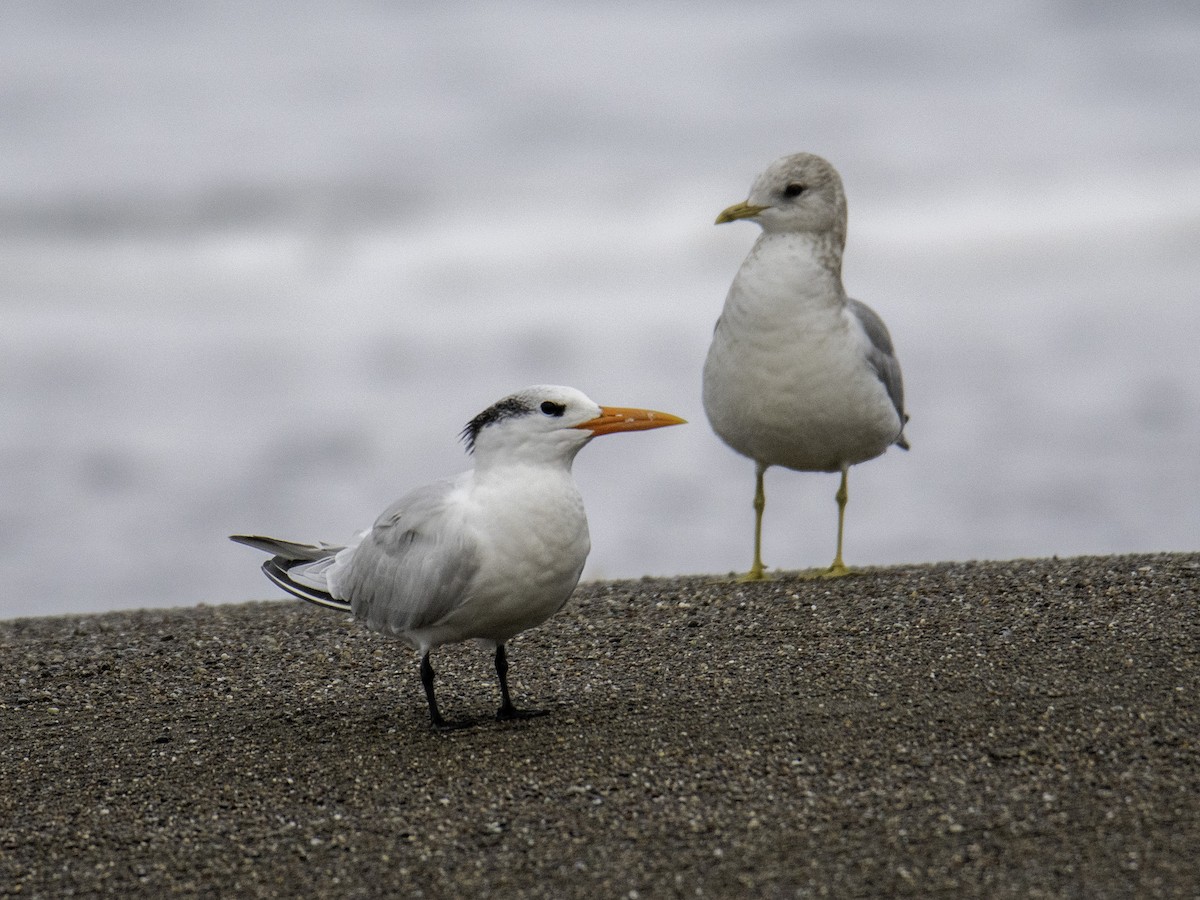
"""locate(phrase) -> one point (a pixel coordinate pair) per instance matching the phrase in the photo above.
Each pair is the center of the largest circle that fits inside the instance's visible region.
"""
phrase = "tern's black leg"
(435, 716)
(507, 710)
(427, 674)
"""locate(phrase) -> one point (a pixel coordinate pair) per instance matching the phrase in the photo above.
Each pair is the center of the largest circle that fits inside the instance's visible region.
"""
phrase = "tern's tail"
(299, 569)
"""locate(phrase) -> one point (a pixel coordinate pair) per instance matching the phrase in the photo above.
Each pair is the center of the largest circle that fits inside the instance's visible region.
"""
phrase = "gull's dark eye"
(553, 409)
(793, 190)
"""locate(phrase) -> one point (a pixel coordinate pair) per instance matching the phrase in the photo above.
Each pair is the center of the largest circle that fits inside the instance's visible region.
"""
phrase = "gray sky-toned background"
(260, 263)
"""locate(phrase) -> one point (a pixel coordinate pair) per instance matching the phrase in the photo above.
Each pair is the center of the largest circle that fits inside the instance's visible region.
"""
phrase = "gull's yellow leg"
(839, 568)
(757, 569)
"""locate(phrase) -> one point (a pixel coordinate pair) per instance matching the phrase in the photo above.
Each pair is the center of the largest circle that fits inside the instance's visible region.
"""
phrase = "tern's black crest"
(497, 412)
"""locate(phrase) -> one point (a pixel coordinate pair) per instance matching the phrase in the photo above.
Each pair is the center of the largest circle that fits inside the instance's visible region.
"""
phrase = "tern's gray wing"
(882, 357)
(288, 550)
(297, 568)
(413, 567)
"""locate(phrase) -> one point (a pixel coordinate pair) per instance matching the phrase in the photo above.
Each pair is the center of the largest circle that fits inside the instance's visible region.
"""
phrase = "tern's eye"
(553, 409)
(793, 190)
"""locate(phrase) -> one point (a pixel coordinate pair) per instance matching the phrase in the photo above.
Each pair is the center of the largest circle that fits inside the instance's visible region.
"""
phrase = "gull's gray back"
(882, 356)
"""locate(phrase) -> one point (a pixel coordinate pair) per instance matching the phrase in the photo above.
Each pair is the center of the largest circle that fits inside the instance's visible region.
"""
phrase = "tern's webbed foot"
(510, 713)
(441, 725)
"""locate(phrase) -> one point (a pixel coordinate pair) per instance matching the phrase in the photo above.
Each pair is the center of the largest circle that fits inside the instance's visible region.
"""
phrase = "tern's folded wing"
(415, 566)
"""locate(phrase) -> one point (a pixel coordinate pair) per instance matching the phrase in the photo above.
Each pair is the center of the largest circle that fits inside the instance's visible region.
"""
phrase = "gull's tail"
(300, 569)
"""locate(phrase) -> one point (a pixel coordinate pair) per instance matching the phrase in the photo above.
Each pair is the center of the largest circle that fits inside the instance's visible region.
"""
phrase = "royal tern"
(798, 374)
(485, 555)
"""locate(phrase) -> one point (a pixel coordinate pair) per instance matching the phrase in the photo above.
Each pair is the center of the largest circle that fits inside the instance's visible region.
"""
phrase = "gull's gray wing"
(882, 357)
(413, 567)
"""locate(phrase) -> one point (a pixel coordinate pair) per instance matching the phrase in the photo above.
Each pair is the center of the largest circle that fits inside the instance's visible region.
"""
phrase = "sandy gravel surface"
(1016, 729)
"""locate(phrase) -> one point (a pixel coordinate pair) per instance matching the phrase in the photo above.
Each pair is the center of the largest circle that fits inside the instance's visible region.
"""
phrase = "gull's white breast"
(787, 380)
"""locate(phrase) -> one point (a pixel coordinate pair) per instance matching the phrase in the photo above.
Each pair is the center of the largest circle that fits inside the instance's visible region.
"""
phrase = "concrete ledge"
(999, 729)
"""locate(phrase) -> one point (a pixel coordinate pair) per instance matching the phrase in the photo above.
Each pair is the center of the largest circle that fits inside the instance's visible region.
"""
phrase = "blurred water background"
(261, 261)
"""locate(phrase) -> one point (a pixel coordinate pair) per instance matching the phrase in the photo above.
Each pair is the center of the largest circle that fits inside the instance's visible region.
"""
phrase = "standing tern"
(799, 374)
(485, 555)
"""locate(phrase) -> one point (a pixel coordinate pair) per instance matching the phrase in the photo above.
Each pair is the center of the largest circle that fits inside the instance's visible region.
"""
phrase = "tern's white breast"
(533, 540)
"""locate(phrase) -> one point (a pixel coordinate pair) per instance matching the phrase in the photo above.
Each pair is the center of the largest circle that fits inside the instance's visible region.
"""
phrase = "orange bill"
(620, 418)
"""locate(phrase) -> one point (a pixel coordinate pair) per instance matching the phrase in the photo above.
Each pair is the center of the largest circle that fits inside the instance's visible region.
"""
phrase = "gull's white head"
(800, 193)
(550, 423)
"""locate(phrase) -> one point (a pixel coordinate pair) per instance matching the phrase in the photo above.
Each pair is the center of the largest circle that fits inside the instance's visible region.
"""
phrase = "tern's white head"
(549, 423)
(799, 193)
